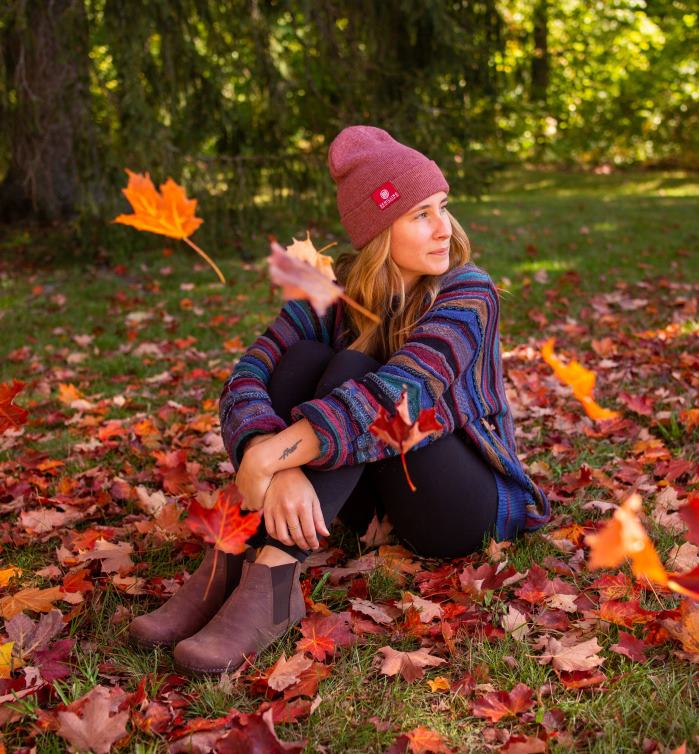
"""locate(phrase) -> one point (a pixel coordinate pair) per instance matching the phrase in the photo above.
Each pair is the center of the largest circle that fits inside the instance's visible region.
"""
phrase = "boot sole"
(153, 644)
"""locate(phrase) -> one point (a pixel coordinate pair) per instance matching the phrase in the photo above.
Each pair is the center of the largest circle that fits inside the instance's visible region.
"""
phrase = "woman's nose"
(443, 227)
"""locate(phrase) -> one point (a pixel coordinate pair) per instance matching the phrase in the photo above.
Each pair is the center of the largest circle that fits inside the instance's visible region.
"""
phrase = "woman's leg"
(269, 600)
(454, 506)
(312, 370)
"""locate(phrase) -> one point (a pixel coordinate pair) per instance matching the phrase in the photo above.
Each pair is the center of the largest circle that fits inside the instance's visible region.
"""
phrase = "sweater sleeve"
(245, 407)
(444, 345)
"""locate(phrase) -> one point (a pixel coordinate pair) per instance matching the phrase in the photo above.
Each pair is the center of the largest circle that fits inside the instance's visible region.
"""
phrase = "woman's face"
(420, 239)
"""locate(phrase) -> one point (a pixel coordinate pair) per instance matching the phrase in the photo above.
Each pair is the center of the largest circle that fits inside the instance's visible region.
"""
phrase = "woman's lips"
(441, 252)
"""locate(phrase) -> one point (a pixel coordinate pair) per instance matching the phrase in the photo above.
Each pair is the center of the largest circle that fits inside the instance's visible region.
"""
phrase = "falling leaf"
(689, 513)
(306, 252)
(581, 380)
(582, 656)
(223, 526)
(98, 725)
(624, 536)
(12, 416)
(411, 665)
(168, 213)
(299, 280)
(402, 434)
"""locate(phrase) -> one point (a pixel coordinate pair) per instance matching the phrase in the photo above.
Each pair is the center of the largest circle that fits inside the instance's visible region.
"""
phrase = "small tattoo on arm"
(288, 451)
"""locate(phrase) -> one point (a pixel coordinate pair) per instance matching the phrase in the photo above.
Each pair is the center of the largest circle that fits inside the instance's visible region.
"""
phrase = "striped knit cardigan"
(451, 362)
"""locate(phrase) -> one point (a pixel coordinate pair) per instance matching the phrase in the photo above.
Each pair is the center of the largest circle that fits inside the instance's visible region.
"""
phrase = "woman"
(295, 412)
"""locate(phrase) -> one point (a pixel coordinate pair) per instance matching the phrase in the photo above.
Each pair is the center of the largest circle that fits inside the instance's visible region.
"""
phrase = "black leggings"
(455, 504)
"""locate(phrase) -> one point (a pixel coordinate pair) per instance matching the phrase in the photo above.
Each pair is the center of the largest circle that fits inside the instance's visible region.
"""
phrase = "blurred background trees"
(239, 99)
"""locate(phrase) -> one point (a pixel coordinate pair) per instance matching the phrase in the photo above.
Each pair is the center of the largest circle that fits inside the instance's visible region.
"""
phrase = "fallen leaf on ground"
(411, 665)
(38, 600)
(582, 656)
(97, 726)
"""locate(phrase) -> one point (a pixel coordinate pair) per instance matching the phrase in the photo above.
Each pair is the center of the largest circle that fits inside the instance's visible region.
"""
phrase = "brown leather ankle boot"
(187, 611)
(266, 603)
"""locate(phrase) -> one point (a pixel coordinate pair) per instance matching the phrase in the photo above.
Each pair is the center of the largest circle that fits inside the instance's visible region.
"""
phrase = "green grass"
(592, 234)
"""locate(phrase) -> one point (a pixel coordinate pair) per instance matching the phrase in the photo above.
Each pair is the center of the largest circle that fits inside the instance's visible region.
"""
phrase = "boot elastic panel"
(234, 567)
(282, 579)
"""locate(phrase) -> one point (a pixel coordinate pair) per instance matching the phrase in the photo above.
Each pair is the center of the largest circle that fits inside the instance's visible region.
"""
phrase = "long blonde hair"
(371, 277)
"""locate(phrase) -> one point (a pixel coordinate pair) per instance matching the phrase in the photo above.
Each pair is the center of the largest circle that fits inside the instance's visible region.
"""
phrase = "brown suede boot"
(187, 611)
(266, 603)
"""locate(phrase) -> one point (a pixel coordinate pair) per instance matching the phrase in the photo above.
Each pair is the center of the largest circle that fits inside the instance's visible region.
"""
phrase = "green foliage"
(239, 101)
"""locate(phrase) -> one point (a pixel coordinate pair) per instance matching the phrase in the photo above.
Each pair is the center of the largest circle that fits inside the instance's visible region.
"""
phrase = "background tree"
(239, 99)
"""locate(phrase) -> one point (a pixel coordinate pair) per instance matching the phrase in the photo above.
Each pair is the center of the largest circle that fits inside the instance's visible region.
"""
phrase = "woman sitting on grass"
(296, 410)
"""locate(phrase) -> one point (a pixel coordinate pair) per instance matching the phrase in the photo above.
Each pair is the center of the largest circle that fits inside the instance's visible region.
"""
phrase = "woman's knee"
(454, 506)
(308, 349)
(296, 376)
(345, 365)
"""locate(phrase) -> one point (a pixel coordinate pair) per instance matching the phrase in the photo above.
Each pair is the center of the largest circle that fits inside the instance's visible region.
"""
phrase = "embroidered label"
(385, 195)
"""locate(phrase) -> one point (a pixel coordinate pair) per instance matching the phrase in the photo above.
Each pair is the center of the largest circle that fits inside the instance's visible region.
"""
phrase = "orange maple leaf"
(623, 536)
(168, 213)
(581, 380)
(11, 415)
(39, 600)
(223, 525)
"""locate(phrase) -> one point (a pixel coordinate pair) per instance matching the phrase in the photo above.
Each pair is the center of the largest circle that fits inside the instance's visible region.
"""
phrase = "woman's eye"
(424, 214)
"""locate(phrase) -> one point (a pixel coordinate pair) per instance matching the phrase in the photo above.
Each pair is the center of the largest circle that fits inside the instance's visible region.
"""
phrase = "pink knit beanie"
(378, 180)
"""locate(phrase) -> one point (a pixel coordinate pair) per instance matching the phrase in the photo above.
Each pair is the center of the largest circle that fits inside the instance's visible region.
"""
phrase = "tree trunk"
(540, 57)
(45, 51)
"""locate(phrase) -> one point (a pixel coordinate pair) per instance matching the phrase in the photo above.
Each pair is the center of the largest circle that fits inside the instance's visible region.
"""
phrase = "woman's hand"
(292, 511)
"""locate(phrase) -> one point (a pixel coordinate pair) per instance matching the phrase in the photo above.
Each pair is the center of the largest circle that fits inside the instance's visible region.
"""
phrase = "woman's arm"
(290, 448)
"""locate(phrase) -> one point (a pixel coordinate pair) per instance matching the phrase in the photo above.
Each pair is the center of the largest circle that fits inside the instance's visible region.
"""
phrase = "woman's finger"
(318, 519)
(308, 528)
(282, 530)
(296, 531)
(270, 525)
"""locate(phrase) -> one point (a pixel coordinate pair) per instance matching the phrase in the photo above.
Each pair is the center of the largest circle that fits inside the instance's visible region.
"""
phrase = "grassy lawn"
(608, 265)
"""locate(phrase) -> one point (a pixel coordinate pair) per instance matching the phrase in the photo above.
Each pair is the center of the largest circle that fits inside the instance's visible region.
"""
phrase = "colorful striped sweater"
(451, 361)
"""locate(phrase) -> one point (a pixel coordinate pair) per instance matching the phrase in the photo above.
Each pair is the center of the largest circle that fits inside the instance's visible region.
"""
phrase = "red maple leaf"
(498, 704)
(11, 415)
(172, 467)
(690, 515)
(323, 633)
(223, 525)
(402, 434)
(631, 647)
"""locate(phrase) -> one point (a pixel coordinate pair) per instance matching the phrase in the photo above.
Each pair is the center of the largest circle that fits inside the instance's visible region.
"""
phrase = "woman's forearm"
(256, 440)
(292, 447)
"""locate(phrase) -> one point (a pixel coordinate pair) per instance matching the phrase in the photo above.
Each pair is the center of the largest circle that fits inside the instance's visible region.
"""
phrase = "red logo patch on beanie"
(385, 195)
